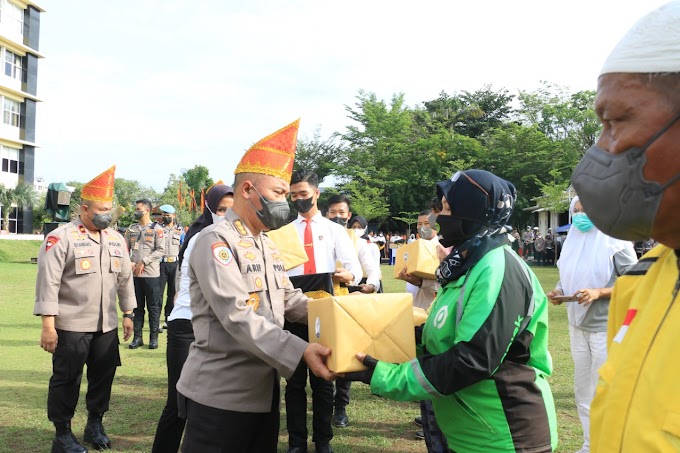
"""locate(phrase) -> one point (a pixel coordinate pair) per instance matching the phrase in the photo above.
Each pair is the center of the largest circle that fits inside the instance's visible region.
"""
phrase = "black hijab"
(212, 199)
(362, 221)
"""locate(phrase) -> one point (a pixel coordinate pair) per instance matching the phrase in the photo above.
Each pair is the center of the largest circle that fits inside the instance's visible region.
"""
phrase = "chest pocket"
(116, 256)
(175, 238)
(86, 261)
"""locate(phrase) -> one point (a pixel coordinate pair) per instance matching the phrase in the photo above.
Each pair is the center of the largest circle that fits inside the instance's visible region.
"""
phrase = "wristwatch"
(129, 315)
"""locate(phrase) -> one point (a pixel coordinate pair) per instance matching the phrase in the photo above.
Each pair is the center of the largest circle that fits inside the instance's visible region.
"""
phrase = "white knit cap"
(652, 45)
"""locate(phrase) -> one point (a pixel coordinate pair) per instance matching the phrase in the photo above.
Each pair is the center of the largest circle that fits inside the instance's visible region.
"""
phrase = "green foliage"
(40, 214)
(318, 155)
(23, 195)
(177, 184)
(368, 202)
(126, 193)
(198, 178)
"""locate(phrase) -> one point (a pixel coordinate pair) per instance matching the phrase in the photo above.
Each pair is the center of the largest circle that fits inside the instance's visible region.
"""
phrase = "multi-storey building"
(19, 51)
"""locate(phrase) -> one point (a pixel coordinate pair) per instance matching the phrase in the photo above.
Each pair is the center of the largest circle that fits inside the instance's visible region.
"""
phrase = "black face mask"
(451, 230)
(339, 221)
(303, 205)
(138, 215)
(273, 214)
(167, 220)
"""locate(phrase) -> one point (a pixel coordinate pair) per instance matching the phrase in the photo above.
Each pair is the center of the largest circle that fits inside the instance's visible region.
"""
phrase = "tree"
(198, 179)
(468, 113)
(23, 195)
(317, 155)
(126, 193)
(409, 218)
(177, 189)
(368, 202)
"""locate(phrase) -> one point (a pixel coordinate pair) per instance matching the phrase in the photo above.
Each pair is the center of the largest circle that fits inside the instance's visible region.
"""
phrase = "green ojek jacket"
(484, 360)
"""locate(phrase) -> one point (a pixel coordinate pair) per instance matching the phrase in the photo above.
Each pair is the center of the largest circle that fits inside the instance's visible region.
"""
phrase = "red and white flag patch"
(50, 241)
(222, 253)
(626, 324)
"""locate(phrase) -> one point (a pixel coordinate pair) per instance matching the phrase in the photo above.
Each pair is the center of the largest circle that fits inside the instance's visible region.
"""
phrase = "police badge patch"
(50, 241)
(222, 253)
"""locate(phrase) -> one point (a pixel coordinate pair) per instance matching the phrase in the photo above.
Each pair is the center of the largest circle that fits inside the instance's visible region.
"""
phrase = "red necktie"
(310, 265)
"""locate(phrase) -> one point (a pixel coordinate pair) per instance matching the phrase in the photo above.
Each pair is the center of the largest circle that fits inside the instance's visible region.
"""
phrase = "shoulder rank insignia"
(50, 241)
(250, 255)
(240, 227)
(81, 229)
(245, 244)
(253, 301)
(222, 253)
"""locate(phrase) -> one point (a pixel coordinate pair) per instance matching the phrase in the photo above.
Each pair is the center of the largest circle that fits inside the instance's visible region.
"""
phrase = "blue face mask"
(582, 222)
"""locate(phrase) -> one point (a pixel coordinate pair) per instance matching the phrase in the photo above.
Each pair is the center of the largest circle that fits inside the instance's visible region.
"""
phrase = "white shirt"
(370, 261)
(182, 307)
(331, 244)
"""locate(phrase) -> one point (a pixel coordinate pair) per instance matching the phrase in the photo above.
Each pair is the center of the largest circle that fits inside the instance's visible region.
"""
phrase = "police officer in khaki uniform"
(240, 294)
(147, 248)
(172, 234)
(82, 266)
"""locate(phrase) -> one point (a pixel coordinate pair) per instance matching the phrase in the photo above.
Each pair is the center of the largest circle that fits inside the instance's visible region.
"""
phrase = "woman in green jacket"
(483, 354)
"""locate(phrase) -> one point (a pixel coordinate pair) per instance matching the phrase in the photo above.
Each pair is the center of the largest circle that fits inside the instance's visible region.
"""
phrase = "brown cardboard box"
(420, 259)
(380, 325)
(290, 246)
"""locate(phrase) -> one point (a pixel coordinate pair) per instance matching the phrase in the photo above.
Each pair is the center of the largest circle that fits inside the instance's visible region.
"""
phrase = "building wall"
(19, 44)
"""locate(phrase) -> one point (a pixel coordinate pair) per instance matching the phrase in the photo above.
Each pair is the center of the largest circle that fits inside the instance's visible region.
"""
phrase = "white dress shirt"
(182, 307)
(331, 244)
(370, 262)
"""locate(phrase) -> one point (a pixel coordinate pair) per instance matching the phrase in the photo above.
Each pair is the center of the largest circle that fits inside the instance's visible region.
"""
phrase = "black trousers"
(342, 388)
(146, 292)
(168, 274)
(211, 430)
(171, 426)
(74, 349)
(296, 401)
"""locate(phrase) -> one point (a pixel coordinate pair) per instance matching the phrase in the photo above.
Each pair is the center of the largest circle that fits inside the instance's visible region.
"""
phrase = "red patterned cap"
(273, 155)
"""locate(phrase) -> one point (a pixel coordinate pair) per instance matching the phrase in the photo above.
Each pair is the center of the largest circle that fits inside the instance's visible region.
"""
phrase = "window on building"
(15, 14)
(10, 159)
(10, 112)
(12, 65)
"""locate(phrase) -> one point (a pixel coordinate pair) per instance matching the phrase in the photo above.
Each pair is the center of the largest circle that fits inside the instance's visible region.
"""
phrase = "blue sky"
(158, 86)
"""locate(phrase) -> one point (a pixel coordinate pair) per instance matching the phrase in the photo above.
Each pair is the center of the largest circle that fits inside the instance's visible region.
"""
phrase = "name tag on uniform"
(136, 246)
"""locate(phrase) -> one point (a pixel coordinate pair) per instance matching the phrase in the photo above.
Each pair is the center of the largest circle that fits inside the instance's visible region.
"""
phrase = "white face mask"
(359, 231)
(215, 218)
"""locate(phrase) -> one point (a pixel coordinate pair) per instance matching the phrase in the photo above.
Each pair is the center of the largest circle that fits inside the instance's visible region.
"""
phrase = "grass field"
(140, 386)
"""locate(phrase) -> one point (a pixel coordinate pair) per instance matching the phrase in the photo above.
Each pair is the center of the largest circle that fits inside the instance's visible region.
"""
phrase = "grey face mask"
(614, 192)
(426, 232)
(273, 213)
(102, 221)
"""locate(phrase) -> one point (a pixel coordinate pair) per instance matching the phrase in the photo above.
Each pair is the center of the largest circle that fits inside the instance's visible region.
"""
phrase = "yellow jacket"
(637, 403)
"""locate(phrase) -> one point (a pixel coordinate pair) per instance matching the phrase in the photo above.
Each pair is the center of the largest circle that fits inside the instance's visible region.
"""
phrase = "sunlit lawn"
(139, 390)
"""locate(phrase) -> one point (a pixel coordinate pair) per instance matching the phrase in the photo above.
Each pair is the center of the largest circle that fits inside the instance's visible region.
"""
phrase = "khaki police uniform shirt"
(240, 293)
(79, 276)
(172, 235)
(146, 246)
